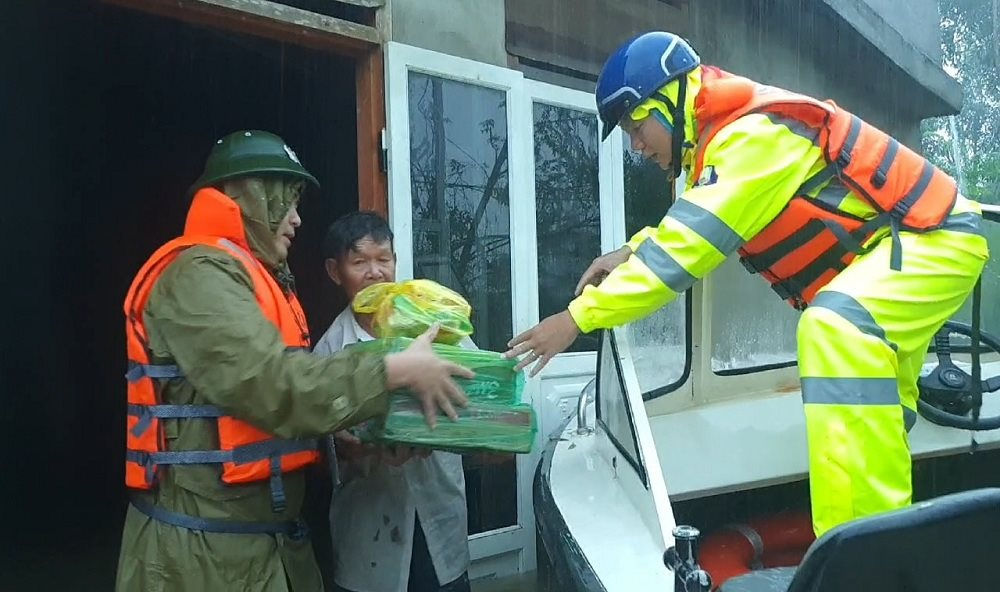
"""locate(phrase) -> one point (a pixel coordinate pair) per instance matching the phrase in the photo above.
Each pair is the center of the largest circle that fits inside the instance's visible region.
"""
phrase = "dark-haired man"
(398, 517)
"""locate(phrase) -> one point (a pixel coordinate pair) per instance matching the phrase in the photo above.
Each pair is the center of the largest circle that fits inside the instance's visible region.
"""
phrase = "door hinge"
(384, 153)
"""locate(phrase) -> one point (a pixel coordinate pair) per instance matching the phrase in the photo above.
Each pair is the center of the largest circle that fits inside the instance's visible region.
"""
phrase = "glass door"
(455, 199)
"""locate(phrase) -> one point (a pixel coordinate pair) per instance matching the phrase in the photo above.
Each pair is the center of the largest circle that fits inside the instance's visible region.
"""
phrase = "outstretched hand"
(543, 341)
(601, 267)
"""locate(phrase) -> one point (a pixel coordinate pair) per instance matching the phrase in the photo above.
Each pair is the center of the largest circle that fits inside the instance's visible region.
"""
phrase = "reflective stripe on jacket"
(748, 166)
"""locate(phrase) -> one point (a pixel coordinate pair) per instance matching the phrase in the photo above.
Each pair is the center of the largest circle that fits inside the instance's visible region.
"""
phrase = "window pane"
(647, 192)
(612, 408)
(743, 341)
(461, 238)
(989, 317)
(567, 205)
(658, 343)
(461, 211)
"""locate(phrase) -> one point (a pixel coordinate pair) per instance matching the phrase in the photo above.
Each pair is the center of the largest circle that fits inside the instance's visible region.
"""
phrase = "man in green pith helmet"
(225, 403)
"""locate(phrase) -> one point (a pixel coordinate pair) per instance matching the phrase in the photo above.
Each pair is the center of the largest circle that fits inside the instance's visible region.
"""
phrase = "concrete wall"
(794, 46)
(823, 48)
(904, 35)
(917, 20)
(578, 35)
(472, 29)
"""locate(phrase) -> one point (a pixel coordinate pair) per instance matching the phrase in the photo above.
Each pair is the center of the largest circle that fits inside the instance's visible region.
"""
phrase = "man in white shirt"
(398, 516)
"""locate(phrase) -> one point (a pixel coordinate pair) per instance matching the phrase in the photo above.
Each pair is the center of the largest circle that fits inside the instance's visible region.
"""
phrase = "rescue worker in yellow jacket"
(869, 239)
(224, 402)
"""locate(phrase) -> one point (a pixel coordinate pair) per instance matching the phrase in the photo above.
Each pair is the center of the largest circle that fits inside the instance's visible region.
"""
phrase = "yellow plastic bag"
(407, 309)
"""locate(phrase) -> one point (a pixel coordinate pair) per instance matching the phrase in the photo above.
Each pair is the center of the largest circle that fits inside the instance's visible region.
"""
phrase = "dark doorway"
(117, 111)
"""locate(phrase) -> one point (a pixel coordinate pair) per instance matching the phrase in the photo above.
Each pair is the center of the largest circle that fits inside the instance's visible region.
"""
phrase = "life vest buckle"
(788, 290)
(900, 210)
(145, 420)
(843, 159)
(144, 460)
(299, 531)
(879, 179)
(748, 265)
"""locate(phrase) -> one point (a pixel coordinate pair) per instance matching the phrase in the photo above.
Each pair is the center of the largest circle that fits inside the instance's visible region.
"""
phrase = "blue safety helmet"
(638, 70)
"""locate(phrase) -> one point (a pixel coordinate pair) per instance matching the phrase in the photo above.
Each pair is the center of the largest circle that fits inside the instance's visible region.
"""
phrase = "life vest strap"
(853, 241)
(819, 178)
(881, 174)
(277, 485)
(268, 448)
(146, 413)
(896, 252)
(293, 529)
(149, 460)
(265, 449)
(843, 159)
(767, 259)
(791, 291)
(137, 371)
(835, 167)
(902, 208)
(792, 288)
(271, 450)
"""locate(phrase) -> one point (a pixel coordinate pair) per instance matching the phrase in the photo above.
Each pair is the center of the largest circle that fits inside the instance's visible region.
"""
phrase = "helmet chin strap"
(677, 114)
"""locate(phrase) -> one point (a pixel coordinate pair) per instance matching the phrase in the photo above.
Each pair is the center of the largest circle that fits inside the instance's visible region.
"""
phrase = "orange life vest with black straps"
(246, 454)
(810, 241)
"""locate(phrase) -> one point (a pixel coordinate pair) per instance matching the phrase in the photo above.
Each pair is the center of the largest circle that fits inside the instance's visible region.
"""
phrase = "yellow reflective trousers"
(861, 344)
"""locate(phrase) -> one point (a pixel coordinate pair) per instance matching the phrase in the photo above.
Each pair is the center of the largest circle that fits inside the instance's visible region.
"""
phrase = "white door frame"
(510, 549)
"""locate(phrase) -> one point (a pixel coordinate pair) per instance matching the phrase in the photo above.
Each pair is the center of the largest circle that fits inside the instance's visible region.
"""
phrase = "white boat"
(622, 480)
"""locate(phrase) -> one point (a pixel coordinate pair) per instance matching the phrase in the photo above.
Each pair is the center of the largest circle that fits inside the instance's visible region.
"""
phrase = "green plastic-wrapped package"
(494, 420)
(480, 426)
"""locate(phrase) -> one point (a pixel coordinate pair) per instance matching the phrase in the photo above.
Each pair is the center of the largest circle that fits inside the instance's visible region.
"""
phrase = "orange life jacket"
(810, 242)
(246, 453)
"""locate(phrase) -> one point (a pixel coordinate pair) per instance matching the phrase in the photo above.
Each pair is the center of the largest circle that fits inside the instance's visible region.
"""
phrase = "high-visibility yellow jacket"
(751, 169)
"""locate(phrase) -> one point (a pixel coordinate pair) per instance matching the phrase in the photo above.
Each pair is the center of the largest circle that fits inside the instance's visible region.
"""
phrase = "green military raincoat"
(202, 314)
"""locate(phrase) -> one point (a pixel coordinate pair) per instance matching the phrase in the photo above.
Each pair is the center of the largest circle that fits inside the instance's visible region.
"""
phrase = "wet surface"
(89, 565)
(520, 583)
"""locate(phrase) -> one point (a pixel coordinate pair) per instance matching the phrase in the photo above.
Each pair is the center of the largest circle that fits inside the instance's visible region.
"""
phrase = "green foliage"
(970, 53)
(969, 45)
